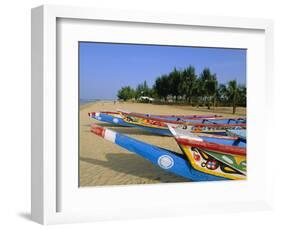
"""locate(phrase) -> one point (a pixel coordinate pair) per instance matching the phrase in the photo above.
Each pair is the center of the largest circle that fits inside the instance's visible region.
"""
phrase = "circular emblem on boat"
(165, 162)
(115, 120)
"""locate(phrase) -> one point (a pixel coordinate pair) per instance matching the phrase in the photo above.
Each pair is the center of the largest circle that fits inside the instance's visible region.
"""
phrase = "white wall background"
(15, 111)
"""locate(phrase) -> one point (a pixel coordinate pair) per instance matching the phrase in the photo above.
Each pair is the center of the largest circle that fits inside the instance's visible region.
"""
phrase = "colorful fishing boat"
(177, 117)
(212, 119)
(116, 118)
(180, 120)
(237, 133)
(167, 160)
(172, 117)
(109, 117)
(160, 126)
(216, 155)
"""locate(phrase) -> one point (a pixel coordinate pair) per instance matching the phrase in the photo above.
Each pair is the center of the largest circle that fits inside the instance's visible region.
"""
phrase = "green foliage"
(126, 93)
(242, 92)
(232, 95)
(207, 86)
(221, 95)
(188, 83)
(174, 83)
(232, 91)
(143, 90)
(184, 85)
(162, 87)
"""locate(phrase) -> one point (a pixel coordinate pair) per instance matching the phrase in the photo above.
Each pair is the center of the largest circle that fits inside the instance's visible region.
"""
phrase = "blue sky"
(106, 67)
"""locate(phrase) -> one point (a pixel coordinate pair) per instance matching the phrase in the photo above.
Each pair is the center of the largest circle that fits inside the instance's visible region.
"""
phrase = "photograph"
(153, 113)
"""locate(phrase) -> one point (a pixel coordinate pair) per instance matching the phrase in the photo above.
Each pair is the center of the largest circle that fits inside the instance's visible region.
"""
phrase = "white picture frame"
(50, 205)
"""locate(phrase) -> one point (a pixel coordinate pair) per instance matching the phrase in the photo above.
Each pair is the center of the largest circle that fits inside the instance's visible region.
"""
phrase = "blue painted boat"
(171, 117)
(217, 155)
(159, 126)
(237, 133)
(167, 160)
(117, 119)
(112, 118)
(181, 120)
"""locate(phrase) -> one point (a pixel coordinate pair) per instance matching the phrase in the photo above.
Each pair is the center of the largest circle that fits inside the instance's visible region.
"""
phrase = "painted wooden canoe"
(149, 125)
(216, 155)
(172, 117)
(197, 120)
(165, 159)
(237, 133)
(109, 117)
(160, 126)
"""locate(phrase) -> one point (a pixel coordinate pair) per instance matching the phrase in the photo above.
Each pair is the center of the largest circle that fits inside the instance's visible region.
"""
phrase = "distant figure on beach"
(114, 102)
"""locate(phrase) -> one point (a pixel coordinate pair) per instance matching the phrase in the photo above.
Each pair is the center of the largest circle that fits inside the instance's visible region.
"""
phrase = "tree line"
(184, 86)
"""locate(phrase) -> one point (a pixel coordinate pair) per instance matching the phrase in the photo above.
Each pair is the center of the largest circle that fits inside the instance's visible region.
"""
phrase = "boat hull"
(216, 163)
(109, 118)
(161, 127)
(215, 155)
(163, 158)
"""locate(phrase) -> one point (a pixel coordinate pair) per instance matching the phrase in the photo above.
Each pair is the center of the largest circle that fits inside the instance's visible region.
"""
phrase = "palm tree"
(221, 94)
(161, 86)
(208, 85)
(242, 91)
(196, 92)
(174, 82)
(187, 83)
(233, 94)
(143, 90)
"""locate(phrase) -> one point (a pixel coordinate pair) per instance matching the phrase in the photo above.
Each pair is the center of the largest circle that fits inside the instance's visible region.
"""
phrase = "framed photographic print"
(137, 114)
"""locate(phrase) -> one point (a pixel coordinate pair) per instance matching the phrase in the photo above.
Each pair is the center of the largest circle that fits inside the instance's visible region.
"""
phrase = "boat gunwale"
(164, 116)
(185, 123)
(232, 150)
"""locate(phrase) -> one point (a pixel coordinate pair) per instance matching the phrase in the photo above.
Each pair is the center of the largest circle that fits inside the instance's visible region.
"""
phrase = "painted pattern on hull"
(205, 162)
(145, 122)
(162, 126)
(237, 162)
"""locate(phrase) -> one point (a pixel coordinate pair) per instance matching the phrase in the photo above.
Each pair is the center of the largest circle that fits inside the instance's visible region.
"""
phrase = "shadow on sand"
(134, 165)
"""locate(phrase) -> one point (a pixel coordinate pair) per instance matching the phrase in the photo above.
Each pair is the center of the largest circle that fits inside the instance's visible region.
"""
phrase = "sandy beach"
(104, 163)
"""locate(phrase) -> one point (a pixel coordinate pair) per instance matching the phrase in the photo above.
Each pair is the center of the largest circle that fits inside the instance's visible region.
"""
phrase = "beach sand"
(105, 163)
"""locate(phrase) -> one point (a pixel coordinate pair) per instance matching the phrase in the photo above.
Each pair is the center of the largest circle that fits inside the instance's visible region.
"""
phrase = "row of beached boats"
(213, 147)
